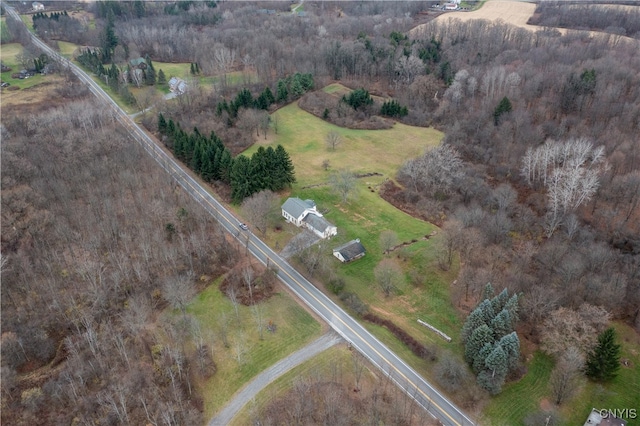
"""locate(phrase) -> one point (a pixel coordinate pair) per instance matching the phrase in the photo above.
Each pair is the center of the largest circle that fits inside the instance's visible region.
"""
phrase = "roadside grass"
(28, 21)
(295, 328)
(5, 34)
(67, 48)
(334, 363)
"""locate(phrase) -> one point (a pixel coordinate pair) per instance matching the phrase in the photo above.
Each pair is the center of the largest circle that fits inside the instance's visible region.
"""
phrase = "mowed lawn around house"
(247, 355)
(366, 215)
(8, 54)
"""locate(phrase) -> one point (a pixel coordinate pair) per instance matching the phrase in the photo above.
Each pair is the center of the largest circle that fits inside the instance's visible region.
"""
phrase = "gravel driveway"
(269, 375)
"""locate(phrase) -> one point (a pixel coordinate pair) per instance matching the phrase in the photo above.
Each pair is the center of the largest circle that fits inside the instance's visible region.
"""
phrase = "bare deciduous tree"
(566, 374)
(389, 275)
(344, 183)
(333, 139)
(388, 240)
(261, 210)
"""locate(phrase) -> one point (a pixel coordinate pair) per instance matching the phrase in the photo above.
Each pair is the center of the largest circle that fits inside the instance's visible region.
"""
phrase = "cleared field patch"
(247, 355)
(362, 151)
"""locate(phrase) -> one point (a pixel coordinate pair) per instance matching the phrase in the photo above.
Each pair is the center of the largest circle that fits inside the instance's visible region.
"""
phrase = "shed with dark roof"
(350, 251)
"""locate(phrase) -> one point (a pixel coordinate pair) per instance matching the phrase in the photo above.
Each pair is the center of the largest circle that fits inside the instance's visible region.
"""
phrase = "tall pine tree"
(604, 361)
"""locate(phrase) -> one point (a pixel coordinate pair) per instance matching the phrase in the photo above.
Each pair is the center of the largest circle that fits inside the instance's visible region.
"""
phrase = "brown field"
(512, 12)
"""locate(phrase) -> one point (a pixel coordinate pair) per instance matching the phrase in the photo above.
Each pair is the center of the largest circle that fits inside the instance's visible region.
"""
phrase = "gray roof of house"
(295, 206)
(351, 250)
(317, 222)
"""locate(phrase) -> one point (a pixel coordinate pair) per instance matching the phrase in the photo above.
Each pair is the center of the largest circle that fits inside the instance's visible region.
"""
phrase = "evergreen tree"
(241, 179)
(512, 307)
(284, 174)
(604, 361)
(150, 72)
(503, 107)
(296, 88)
(487, 310)
(162, 79)
(226, 164)
(162, 124)
(192, 69)
(496, 363)
(480, 358)
(358, 98)
(488, 292)
(109, 39)
(499, 301)
(501, 324)
(480, 336)
(511, 346)
(282, 93)
(474, 320)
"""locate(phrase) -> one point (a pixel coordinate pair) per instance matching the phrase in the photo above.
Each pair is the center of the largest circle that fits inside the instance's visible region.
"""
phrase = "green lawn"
(366, 215)
(295, 328)
(362, 151)
(8, 54)
(66, 48)
(524, 397)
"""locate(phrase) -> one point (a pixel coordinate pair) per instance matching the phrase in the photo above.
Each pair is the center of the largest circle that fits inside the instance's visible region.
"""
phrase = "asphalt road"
(378, 354)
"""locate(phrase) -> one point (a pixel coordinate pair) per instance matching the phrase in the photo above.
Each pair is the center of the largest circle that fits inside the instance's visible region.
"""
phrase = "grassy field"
(295, 328)
(362, 151)
(366, 215)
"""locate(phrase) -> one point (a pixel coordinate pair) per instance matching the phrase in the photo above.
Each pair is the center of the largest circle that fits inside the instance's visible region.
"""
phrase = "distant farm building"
(349, 252)
(303, 213)
(138, 63)
(37, 6)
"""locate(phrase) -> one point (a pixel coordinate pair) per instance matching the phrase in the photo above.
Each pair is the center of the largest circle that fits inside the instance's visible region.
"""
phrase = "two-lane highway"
(381, 356)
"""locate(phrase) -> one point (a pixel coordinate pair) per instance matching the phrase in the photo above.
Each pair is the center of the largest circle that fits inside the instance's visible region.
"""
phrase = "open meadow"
(424, 291)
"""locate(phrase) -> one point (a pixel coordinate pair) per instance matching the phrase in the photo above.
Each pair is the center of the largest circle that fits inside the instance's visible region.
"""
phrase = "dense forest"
(536, 186)
(96, 242)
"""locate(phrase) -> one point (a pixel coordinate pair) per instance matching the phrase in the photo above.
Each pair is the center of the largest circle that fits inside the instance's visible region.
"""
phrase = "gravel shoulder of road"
(261, 381)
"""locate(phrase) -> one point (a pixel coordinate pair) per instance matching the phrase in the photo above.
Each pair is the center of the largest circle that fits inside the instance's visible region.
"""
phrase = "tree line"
(267, 169)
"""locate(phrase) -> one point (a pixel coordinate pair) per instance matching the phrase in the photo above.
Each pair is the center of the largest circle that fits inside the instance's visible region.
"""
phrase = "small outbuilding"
(350, 251)
(37, 6)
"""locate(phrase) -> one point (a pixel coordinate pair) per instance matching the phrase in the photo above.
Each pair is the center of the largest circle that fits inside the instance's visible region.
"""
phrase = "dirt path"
(252, 389)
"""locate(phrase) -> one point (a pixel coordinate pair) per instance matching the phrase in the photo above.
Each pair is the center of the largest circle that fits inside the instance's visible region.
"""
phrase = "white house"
(351, 251)
(37, 6)
(303, 213)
